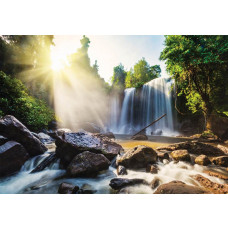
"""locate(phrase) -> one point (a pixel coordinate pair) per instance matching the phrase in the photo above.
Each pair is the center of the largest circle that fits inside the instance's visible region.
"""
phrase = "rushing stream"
(48, 181)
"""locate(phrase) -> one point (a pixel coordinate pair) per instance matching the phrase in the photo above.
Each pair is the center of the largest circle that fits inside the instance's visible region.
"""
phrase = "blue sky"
(109, 51)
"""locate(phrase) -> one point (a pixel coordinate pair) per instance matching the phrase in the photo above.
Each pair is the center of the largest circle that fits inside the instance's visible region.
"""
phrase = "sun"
(58, 60)
(58, 63)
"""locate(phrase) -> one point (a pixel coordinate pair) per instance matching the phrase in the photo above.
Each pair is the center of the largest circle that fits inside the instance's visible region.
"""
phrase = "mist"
(79, 97)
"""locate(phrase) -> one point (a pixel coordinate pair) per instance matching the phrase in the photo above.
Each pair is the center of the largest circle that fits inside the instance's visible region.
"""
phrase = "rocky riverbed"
(86, 163)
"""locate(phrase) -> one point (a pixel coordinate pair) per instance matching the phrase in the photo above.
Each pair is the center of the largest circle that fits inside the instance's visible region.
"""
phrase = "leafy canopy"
(15, 100)
(202, 62)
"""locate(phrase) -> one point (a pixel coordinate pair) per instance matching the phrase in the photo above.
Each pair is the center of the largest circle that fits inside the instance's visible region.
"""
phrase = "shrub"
(15, 100)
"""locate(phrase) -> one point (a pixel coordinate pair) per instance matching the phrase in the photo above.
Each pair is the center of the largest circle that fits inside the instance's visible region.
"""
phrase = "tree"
(119, 75)
(142, 73)
(202, 61)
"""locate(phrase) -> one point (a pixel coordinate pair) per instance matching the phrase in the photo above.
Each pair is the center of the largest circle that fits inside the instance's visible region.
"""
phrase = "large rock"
(119, 183)
(3, 140)
(72, 144)
(221, 161)
(194, 148)
(139, 137)
(66, 188)
(14, 130)
(138, 157)
(211, 186)
(12, 156)
(87, 164)
(178, 187)
(44, 138)
(181, 155)
(202, 160)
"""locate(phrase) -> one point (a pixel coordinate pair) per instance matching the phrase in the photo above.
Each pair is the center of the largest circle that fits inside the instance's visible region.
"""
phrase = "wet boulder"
(87, 164)
(71, 144)
(221, 161)
(86, 189)
(121, 170)
(202, 160)
(66, 188)
(211, 186)
(178, 187)
(181, 155)
(61, 131)
(44, 138)
(119, 183)
(3, 140)
(14, 130)
(152, 169)
(109, 135)
(162, 155)
(139, 137)
(155, 183)
(194, 147)
(12, 157)
(138, 157)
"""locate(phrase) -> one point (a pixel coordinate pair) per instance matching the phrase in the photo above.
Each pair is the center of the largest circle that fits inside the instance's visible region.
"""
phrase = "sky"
(110, 51)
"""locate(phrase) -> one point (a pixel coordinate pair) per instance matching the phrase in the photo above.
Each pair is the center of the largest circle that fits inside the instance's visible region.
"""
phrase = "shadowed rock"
(152, 169)
(121, 170)
(12, 157)
(139, 137)
(202, 160)
(66, 188)
(155, 183)
(72, 144)
(221, 161)
(138, 157)
(14, 130)
(194, 148)
(3, 140)
(87, 164)
(178, 187)
(119, 183)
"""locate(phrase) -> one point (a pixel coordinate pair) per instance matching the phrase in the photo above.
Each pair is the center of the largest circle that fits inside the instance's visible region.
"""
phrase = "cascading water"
(141, 107)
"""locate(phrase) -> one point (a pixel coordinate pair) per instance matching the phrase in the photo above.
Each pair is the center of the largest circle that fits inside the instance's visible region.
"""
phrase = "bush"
(15, 100)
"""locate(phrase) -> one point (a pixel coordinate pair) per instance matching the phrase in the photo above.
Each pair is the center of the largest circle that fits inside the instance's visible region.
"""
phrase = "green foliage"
(119, 76)
(141, 74)
(199, 65)
(15, 100)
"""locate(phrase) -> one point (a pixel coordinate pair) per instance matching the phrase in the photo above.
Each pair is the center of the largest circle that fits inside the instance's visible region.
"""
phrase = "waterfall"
(127, 111)
(140, 107)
